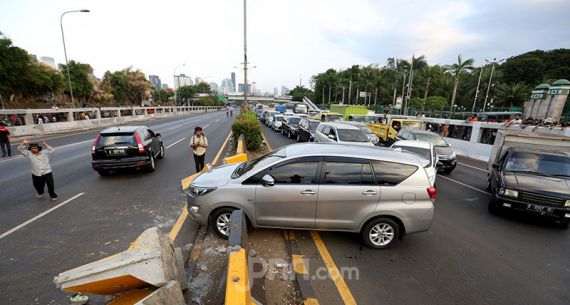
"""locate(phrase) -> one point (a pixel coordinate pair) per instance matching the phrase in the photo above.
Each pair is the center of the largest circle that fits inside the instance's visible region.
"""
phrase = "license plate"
(115, 152)
(540, 208)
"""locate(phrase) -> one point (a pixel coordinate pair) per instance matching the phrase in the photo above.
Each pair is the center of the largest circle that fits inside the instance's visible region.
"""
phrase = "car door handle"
(369, 193)
(308, 192)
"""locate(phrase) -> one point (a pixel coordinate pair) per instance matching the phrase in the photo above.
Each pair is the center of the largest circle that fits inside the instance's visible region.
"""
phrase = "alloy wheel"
(381, 234)
(223, 224)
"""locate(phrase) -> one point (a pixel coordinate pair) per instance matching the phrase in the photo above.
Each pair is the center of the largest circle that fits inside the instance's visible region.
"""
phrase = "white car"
(367, 131)
(342, 134)
(427, 153)
(277, 122)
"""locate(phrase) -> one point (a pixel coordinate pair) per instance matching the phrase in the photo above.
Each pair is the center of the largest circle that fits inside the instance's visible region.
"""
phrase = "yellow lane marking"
(178, 225)
(299, 265)
(339, 282)
(266, 141)
(215, 161)
(311, 301)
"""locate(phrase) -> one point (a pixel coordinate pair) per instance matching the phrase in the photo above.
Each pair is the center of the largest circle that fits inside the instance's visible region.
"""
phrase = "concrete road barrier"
(238, 288)
(241, 152)
(150, 260)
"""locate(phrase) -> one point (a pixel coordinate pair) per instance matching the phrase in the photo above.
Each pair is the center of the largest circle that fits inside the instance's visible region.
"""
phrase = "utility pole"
(490, 79)
(65, 52)
(477, 91)
(245, 52)
(409, 93)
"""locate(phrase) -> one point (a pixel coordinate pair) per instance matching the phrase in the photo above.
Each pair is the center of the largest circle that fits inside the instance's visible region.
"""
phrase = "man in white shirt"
(199, 143)
(41, 168)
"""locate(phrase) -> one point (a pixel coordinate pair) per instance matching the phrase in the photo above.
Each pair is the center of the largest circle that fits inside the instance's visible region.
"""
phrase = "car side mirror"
(157, 134)
(267, 180)
(496, 165)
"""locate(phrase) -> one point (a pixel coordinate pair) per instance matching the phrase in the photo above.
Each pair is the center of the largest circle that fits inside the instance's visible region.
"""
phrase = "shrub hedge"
(247, 124)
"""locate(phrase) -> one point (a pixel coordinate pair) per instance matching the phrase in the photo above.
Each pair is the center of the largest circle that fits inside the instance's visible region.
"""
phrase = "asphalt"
(109, 215)
(467, 257)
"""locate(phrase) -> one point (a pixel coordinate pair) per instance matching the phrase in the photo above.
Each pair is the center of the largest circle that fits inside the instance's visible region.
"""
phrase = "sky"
(288, 41)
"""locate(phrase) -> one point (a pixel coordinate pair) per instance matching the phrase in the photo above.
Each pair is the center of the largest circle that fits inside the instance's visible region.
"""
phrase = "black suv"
(290, 126)
(532, 181)
(126, 147)
(445, 154)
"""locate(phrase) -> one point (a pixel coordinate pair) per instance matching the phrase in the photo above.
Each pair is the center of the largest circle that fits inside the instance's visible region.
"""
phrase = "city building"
(48, 61)
(234, 86)
(182, 80)
(227, 86)
(275, 92)
(284, 91)
(254, 88)
(199, 80)
(155, 81)
(241, 87)
(213, 86)
(164, 86)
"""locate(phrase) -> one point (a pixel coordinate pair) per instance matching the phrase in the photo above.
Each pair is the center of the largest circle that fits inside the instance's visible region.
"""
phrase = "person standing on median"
(199, 143)
(5, 140)
(41, 168)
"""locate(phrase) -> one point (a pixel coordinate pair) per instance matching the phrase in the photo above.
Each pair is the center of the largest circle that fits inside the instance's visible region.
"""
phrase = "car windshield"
(547, 165)
(294, 121)
(431, 138)
(422, 152)
(117, 138)
(313, 125)
(279, 118)
(352, 135)
(259, 163)
(359, 119)
(412, 124)
(333, 117)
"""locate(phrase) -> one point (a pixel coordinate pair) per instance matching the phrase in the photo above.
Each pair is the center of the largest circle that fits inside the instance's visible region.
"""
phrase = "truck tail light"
(432, 192)
(142, 151)
(95, 145)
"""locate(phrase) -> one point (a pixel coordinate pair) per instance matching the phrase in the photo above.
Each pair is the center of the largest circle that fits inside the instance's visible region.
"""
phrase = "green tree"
(203, 87)
(511, 94)
(81, 80)
(128, 86)
(299, 92)
(457, 69)
(186, 92)
(436, 103)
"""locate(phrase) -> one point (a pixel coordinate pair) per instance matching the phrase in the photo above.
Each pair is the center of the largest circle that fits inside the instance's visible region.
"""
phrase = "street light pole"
(65, 51)
(245, 52)
(490, 79)
(174, 80)
(477, 91)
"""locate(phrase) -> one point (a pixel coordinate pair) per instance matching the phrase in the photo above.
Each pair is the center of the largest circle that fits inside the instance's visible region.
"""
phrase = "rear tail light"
(94, 145)
(432, 192)
(142, 151)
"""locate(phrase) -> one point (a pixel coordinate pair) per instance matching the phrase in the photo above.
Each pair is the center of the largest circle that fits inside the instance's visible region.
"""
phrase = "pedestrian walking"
(41, 168)
(5, 140)
(227, 111)
(199, 143)
(231, 111)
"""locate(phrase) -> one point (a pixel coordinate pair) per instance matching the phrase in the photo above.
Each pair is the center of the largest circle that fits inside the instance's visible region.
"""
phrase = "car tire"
(103, 173)
(151, 167)
(381, 233)
(564, 224)
(221, 222)
(298, 138)
(492, 207)
(161, 154)
(448, 170)
(289, 135)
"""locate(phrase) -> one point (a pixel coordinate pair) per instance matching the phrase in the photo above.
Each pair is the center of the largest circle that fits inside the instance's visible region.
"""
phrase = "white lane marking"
(175, 127)
(167, 147)
(206, 126)
(465, 185)
(473, 167)
(18, 227)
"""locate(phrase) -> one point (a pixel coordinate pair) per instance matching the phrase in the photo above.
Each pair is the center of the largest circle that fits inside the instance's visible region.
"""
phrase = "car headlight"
(453, 155)
(200, 191)
(194, 209)
(567, 204)
(509, 193)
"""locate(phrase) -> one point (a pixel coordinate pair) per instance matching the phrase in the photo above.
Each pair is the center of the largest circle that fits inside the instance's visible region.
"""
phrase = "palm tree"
(511, 94)
(456, 69)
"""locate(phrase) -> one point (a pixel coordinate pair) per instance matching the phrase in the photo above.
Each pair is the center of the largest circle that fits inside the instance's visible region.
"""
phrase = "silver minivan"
(377, 192)
(341, 133)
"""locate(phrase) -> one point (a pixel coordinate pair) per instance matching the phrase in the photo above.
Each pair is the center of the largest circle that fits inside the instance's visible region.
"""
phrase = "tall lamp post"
(65, 51)
(494, 61)
(245, 52)
(174, 80)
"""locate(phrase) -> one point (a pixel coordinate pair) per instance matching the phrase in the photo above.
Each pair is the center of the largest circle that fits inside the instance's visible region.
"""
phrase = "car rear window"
(294, 121)
(117, 138)
(390, 173)
(352, 135)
